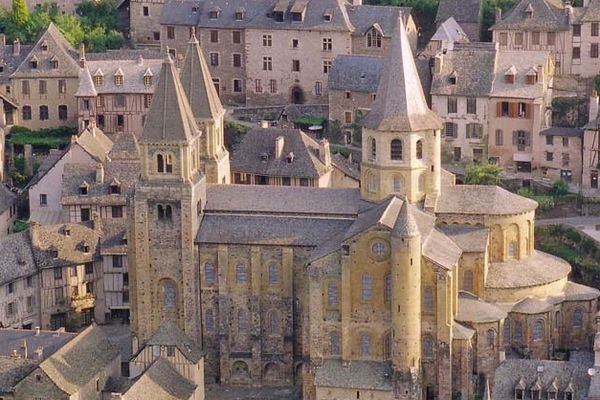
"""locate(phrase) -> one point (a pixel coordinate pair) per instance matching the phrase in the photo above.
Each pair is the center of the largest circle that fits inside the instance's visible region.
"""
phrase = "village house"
(448, 33)
(11, 56)
(591, 150)
(467, 13)
(8, 209)
(559, 155)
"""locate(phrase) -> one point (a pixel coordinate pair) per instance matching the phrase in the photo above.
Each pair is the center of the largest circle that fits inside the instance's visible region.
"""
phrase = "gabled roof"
(125, 147)
(473, 309)
(169, 334)
(57, 47)
(161, 381)
(198, 85)
(451, 31)
(355, 73)
(461, 10)
(170, 118)
(513, 62)
(7, 198)
(469, 238)
(133, 70)
(95, 142)
(17, 259)
(591, 13)
(365, 17)
(400, 104)
(548, 15)
(86, 86)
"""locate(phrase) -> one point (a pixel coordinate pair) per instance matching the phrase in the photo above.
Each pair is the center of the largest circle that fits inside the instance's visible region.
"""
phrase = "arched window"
(365, 345)
(374, 38)
(239, 370)
(334, 343)
(332, 294)
(397, 184)
(468, 281)
(578, 318)
(209, 272)
(169, 293)
(512, 249)
(518, 331)
(44, 113)
(274, 323)
(26, 112)
(396, 150)
(242, 321)
(428, 299)
(387, 293)
(373, 144)
(427, 346)
(160, 163)
(273, 274)
(419, 149)
(168, 212)
(367, 286)
(209, 320)
(538, 330)
(241, 273)
(160, 210)
(506, 332)
(490, 337)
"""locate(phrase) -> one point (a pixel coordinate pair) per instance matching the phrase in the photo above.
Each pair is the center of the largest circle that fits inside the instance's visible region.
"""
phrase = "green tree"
(483, 174)
(488, 11)
(560, 188)
(19, 13)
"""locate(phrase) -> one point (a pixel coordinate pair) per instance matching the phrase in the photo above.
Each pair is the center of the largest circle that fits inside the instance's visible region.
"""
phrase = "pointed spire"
(198, 84)
(405, 226)
(400, 103)
(86, 86)
(170, 118)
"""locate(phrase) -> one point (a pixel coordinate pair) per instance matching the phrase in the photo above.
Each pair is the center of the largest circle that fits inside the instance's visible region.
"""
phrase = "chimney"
(279, 142)
(99, 173)
(2, 40)
(569, 11)
(82, 55)
(37, 331)
(438, 63)
(24, 347)
(16, 47)
(15, 354)
(593, 106)
(324, 152)
(97, 222)
(264, 124)
(35, 233)
(498, 14)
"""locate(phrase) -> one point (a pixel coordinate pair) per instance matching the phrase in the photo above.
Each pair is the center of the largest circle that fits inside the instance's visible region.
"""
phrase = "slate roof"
(481, 199)
(536, 269)
(355, 73)
(451, 31)
(17, 259)
(161, 381)
(169, 334)
(7, 198)
(125, 54)
(591, 13)
(133, 71)
(248, 156)
(70, 248)
(382, 215)
(11, 61)
(58, 48)
(179, 12)
(113, 241)
(49, 341)
(459, 62)
(95, 142)
(548, 15)
(521, 62)
(400, 104)
(441, 250)
(577, 292)
(82, 359)
(468, 237)
(564, 132)
(561, 373)
(461, 332)
(473, 309)
(170, 118)
(125, 147)
(356, 374)
(346, 166)
(46, 165)
(282, 200)
(12, 370)
(86, 86)
(461, 10)
(364, 17)
(198, 84)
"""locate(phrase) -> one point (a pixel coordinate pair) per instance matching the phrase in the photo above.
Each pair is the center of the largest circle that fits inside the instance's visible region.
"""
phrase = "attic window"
(240, 14)
(118, 79)
(529, 11)
(85, 248)
(290, 158)
(53, 253)
(264, 157)
(114, 189)
(297, 17)
(33, 63)
(83, 189)
(147, 80)
(531, 79)
(453, 78)
(194, 10)
(328, 15)
(54, 62)
(44, 46)
(214, 13)
(278, 16)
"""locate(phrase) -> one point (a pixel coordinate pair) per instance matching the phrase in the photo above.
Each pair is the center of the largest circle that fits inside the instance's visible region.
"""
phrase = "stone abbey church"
(410, 287)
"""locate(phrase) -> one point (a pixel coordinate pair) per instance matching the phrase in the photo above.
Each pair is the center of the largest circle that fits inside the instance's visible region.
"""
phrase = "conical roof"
(400, 103)
(405, 225)
(170, 118)
(86, 86)
(198, 84)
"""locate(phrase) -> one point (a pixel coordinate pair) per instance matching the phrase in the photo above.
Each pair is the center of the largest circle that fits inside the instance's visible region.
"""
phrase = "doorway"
(297, 95)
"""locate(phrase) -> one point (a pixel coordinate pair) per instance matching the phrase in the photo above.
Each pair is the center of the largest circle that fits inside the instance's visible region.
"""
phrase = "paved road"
(585, 224)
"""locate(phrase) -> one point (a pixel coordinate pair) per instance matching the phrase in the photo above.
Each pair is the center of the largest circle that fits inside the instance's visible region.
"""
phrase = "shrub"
(483, 174)
(560, 188)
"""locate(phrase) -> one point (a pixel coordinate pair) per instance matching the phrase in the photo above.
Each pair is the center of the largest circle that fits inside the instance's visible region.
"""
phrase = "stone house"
(590, 147)
(12, 55)
(560, 154)
(538, 25)
(8, 210)
(263, 53)
(448, 33)
(116, 88)
(586, 40)
(44, 84)
(409, 275)
(460, 96)
(287, 157)
(467, 13)
(521, 93)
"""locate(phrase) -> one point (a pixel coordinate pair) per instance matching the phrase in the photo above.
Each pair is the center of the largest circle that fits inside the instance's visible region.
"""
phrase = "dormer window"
(83, 189)
(194, 10)
(98, 78)
(374, 38)
(297, 17)
(453, 78)
(44, 46)
(278, 16)
(54, 62)
(115, 187)
(290, 158)
(328, 15)
(298, 9)
(279, 10)
(509, 76)
(53, 253)
(240, 14)
(214, 13)
(532, 76)
(119, 77)
(529, 11)
(33, 62)
(148, 80)
(264, 157)
(85, 248)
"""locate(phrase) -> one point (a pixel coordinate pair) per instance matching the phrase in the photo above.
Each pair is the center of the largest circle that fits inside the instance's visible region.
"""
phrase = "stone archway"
(297, 95)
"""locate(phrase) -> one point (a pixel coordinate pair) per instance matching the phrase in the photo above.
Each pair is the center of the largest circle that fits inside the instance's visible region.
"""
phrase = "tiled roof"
(58, 48)
(591, 13)
(170, 118)
(133, 71)
(473, 309)
(355, 73)
(461, 332)
(577, 292)
(282, 200)
(400, 104)
(49, 341)
(550, 373)
(458, 63)
(559, 131)
(536, 269)
(7, 198)
(198, 84)
(95, 142)
(161, 381)
(70, 247)
(169, 334)
(356, 374)
(532, 305)
(345, 165)
(113, 236)
(461, 10)
(12, 370)
(180, 12)
(260, 143)
(11, 61)
(86, 86)
(17, 259)
(382, 215)
(548, 15)
(481, 199)
(81, 360)
(521, 62)
(469, 238)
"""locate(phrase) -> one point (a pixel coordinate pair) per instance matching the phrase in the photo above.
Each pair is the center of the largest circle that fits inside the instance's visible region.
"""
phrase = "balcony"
(82, 302)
